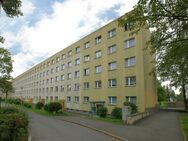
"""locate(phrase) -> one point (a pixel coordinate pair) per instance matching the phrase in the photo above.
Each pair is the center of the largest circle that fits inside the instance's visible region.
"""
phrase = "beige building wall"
(104, 49)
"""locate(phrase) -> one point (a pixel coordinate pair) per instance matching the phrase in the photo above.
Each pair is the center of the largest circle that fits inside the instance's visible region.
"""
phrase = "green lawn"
(106, 119)
(184, 125)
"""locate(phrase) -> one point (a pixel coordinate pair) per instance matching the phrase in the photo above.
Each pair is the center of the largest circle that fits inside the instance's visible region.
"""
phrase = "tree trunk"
(184, 97)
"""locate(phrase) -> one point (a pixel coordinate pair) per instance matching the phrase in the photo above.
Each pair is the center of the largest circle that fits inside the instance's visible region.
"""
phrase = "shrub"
(53, 107)
(134, 108)
(27, 105)
(117, 113)
(102, 111)
(39, 105)
(14, 125)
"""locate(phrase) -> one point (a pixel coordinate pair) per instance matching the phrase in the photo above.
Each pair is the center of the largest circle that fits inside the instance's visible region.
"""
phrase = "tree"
(168, 21)
(5, 63)
(161, 93)
(6, 86)
(11, 9)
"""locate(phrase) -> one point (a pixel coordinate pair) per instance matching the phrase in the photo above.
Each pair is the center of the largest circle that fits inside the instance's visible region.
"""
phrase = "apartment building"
(105, 68)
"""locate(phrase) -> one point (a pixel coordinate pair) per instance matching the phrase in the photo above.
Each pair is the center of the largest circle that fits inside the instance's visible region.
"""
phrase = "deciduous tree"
(168, 21)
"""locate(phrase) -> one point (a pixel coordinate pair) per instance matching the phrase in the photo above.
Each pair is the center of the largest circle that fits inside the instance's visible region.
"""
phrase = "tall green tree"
(168, 21)
(161, 93)
(11, 9)
(6, 86)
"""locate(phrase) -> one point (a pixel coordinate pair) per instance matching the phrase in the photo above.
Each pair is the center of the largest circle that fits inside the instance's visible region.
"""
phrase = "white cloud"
(69, 21)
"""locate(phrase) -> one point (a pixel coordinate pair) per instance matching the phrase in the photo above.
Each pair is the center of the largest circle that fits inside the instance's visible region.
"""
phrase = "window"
(62, 66)
(86, 58)
(86, 85)
(77, 74)
(111, 49)
(56, 98)
(53, 61)
(51, 89)
(51, 98)
(86, 72)
(86, 99)
(130, 43)
(77, 61)
(112, 100)
(69, 64)
(47, 72)
(131, 99)
(98, 69)
(130, 62)
(43, 73)
(52, 70)
(98, 84)
(112, 82)
(56, 78)
(51, 80)
(62, 88)
(77, 49)
(47, 89)
(76, 99)
(47, 81)
(98, 54)
(112, 65)
(57, 68)
(56, 88)
(68, 87)
(76, 86)
(63, 56)
(69, 53)
(57, 59)
(98, 39)
(69, 75)
(68, 99)
(111, 33)
(48, 63)
(128, 26)
(87, 45)
(62, 77)
(130, 81)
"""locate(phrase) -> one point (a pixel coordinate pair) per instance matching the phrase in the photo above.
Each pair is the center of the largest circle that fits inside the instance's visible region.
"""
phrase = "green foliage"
(161, 93)
(53, 107)
(117, 113)
(16, 101)
(134, 108)
(102, 111)
(39, 105)
(27, 105)
(11, 7)
(6, 86)
(168, 41)
(14, 125)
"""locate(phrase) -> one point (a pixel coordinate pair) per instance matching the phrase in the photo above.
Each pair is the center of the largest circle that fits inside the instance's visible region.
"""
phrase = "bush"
(134, 108)
(27, 105)
(39, 105)
(16, 101)
(13, 125)
(102, 111)
(117, 113)
(53, 107)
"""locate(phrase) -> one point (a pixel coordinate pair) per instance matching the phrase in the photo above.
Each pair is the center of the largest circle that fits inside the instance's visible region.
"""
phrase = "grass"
(184, 125)
(106, 119)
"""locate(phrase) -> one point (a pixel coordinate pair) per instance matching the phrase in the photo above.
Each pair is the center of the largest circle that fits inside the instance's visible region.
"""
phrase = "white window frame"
(130, 81)
(112, 100)
(98, 39)
(86, 72)
(112, 83)
(131, 61)
(112, 65)
(98, 84)
(112, 33)
(129, 43)
(112, 49)
(98, 54)
(86, 58)
(86, 99)
(87, 45)
(98, 69)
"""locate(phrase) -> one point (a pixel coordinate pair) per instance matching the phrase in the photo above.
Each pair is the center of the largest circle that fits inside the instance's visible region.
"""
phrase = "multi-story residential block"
(105, 68)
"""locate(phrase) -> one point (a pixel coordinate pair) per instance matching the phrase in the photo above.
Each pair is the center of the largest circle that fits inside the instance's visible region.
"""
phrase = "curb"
(97, 130)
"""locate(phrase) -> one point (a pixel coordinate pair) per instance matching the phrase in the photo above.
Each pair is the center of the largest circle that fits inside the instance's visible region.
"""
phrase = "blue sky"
(51, 25)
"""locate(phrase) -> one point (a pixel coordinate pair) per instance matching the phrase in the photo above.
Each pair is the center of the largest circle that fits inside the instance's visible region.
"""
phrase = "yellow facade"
(113, 68)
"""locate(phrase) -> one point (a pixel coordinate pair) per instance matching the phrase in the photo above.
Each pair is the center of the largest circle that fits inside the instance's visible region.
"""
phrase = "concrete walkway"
(161, 126)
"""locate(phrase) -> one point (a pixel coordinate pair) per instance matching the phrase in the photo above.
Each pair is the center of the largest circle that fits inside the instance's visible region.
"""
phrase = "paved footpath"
(161, 126)
(50, 129)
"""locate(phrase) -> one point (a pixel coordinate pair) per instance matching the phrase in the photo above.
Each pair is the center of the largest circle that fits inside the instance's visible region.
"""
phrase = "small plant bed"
(184, 125)
(105, 119)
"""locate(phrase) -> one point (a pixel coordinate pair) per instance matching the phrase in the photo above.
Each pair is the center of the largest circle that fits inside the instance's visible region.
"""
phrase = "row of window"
(129, 81)
(111, 99)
